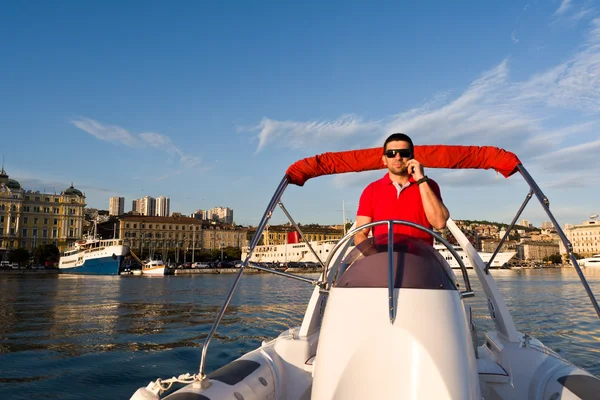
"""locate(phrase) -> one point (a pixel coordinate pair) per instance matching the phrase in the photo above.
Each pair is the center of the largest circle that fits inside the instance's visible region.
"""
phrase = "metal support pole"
(512, 224)
(267, 215)
(301, 234)
(391, 285)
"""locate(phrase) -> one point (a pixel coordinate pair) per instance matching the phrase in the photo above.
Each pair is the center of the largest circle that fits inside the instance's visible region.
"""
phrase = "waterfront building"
(221, 214)
(152, 234)
(163, 206)
(116, 206)
(489, 245)
(31, 218)
(278, 234)
(584, 237)
(530, 250)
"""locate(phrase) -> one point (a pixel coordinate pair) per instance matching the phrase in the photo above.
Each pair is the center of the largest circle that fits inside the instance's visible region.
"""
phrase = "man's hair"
(399, 137)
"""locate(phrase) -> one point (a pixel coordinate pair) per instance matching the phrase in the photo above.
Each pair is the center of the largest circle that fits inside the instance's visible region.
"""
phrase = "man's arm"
(436, 212)
(361, 236)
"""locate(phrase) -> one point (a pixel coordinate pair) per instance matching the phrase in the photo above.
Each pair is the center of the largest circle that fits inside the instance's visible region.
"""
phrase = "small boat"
(153, 268)
(387, 319)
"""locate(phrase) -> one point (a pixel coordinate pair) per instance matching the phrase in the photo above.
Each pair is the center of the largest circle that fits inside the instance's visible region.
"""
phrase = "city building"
(547, 225)
(146, 206)
(536, 250)
(221, 214)
(526, 223)
(200, 214)
(116, 206)
(31, 218)
(163, 206)
(584, 237)
(153, 234)
(278, 234)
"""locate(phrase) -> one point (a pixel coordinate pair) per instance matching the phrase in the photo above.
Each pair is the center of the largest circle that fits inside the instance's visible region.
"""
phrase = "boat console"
(415, 264)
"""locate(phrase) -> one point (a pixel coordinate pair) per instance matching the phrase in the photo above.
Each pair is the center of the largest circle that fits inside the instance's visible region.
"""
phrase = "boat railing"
(468, 292)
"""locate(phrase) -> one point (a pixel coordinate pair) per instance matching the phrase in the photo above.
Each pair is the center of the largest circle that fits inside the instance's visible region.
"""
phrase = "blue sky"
(209, 102)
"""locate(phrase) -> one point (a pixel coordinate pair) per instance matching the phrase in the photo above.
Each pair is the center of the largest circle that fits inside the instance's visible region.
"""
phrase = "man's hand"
(415, 169)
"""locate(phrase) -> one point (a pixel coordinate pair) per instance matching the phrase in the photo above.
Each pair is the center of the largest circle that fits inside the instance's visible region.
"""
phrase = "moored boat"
(94, 256)
(388, 318)
(153, 268)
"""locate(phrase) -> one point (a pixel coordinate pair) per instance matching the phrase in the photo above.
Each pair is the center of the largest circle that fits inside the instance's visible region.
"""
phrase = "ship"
(294, 251)
(499, 261)
(94, 256)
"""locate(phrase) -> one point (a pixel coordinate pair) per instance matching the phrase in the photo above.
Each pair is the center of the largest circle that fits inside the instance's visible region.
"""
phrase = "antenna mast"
(344, 217)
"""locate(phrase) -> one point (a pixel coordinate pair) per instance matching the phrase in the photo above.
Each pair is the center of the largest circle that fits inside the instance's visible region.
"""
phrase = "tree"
(554, 258)
(20, 256)
(514, 236)
(46, 252)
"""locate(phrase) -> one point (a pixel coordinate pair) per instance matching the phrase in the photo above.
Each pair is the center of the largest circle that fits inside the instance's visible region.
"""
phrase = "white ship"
(593, 261)
(500, 261)
(93, 256)
(299, 252)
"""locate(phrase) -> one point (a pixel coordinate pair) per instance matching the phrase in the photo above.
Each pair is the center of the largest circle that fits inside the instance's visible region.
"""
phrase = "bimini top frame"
(434, 156)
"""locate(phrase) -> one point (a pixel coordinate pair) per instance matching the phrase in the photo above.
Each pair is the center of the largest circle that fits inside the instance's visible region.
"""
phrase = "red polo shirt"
(380, 201)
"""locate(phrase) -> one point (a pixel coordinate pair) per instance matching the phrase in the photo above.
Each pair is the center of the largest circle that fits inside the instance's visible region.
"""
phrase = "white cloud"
(582, 157)
(107, 133)
(571, 85)
(567, 13)
(514, 38)
(118, 135)
(564, 6)
(299, 134)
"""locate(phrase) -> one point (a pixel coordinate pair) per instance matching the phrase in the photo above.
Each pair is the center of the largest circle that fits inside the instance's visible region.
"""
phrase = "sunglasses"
(404, 153)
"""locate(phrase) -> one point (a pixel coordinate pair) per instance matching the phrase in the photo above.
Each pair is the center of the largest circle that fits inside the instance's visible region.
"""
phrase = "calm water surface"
(73, 337)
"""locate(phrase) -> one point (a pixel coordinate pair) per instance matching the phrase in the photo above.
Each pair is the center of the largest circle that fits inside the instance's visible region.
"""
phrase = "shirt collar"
(387, 181)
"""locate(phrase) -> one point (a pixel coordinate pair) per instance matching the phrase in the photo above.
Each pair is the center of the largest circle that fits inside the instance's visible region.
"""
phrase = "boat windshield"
(416, 264)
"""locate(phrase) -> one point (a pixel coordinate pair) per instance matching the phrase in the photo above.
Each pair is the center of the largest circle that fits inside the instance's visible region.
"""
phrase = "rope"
(545, 350)
(165, 384)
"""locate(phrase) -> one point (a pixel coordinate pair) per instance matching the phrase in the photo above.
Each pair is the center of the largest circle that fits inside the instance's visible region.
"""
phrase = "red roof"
(431, 156)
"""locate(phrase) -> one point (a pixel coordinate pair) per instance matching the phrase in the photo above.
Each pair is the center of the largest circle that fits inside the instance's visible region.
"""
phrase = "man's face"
(397, 164)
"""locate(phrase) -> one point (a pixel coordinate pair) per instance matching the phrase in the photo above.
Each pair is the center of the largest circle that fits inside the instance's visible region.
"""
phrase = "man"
(404, 193)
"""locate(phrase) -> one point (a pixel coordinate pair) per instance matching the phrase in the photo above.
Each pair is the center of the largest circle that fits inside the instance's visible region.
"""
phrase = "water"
(72, 337)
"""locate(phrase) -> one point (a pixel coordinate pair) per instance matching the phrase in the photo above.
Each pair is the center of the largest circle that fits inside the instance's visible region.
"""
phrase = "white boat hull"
(156, 271)
(281, 369)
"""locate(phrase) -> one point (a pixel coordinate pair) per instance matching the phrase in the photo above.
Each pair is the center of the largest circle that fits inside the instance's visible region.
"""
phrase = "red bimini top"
(431, 156)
